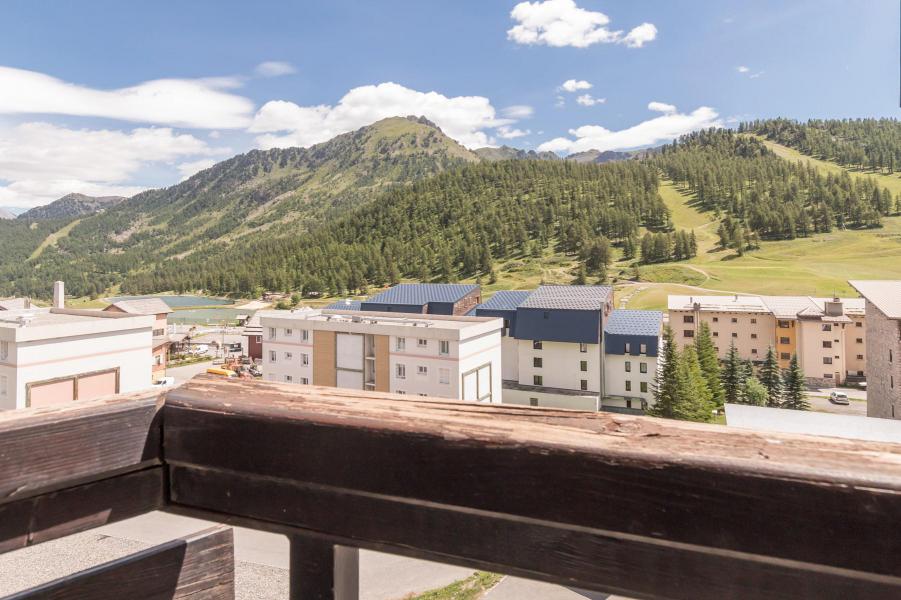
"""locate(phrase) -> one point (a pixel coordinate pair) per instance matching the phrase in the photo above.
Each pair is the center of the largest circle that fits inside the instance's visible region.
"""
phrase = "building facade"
(252, 338)
(455, 357)
(424, 298)
(827, 334)
(632, 345)
(883, 346)
(159, 310)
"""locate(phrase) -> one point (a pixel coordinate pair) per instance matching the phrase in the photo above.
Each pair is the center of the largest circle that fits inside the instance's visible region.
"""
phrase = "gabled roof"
(344, 305)
(884, 295)
(505, 300)
(142, 306)
(568, 297)
(423, 293)
(634, 322)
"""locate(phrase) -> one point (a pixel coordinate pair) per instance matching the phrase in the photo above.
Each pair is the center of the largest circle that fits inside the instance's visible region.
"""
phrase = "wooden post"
(320, 570)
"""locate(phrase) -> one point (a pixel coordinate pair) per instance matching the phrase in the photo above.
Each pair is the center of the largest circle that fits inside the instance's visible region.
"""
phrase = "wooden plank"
(44, 449)
(63, 512)
(612, 562)
(319, 570)
(199, 567)
(774, 496)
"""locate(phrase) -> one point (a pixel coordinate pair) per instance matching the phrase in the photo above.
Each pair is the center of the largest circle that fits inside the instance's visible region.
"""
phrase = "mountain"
(6, 214)
(71, 206)
(508, 153)
(595, 156)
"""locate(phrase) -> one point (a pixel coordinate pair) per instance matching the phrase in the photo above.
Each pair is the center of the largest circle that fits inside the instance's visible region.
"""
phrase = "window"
(536, 345)
(289, 378)
(583, 348)
(305, 335)
(444, 376)
(827, 375)
(827, 360)
(400, 343)
(753, 336)
(272, 333)
(735, 335)
(784, 341)
(785, 356)
(158, 332)
(259, 339)
(628, 367)
(784, 324)
(628, 348)
(158, 359)
(272, 356)
(716, 334)
(643, 367)
(421, 343)
(628, 386)
(537, 362)
(443, 347)
(305, 359)
(827, 344)
(859, 340)
(753, 350)
(422, 370)
(734, 320)
(644, 387)
(533, 401)
(688, 333)
(583, 365)
(858, 324)
(716, 319)
(753, 321)
(421, 394)
(643, 349)
(288, 356)
(628, 404)
(688, 318)
(827, 327)
(583, 384)
(289, 332)
(537, 380)
(400, 371)
(304, 381)
(890, 356)
(860, 357)
(401, 392)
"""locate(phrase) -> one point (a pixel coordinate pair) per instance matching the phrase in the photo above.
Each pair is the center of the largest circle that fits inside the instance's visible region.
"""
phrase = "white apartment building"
(632, 347)
(453, 357)
(56, 355)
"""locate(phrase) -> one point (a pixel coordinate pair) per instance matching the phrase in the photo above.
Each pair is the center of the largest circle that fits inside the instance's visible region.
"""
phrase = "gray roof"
(344, 305)
(568, 297)
(423, 293)
(634, 322)
(505, 300)
(143, 306)
(884, 295)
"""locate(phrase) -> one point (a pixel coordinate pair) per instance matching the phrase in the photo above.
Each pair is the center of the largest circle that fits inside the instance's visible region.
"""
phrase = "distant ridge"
(70, 206)
(6, 214)
(508, 153)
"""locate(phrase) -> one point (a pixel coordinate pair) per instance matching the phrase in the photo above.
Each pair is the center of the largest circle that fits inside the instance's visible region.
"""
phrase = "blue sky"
(113, 97)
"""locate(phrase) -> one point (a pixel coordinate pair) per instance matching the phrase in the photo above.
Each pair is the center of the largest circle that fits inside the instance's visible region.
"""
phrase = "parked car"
(839, 398)
(164, 382)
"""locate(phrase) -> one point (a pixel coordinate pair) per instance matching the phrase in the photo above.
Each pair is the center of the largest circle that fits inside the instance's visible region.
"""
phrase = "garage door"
(97, 385)
(50, 393)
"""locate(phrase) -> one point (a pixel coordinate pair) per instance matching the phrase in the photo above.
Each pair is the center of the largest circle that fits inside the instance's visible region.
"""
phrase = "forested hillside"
(858, 143)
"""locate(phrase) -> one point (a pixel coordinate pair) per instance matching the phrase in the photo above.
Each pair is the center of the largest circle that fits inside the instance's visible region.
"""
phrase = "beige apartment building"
(827, 334)
(883, 347)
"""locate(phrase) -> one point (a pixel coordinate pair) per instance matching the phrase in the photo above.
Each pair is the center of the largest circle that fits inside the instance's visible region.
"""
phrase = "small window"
(421, 343)
(259, 339)
(400, 343)
(583, 348)
(628, 386)
(537, 362)
(628, 367)
(716, 319)
(734, 320)
(421, 394)
(858, 324)
(785, 356)
(305, 335)
(890, 356)
(644, 387)
(305, 359)
(289, 378)
(688, 318)
(827, 360)
(628, 348)
(716, 334)
(533, 401)
(537, 380)
(860, 357)
(753, 350)
(784, 324)
(444, 376)
(753, 336)
(688, 333)
(583, 384)
(443, 347)
(288, 356)
(784, 341)
(735, 335)
(304, 381)
(827, 344)
(400, 371)
(422, 370)
(273, 356)
(272, 333)
(827, 327)
(827, 375)
(643, 349)
(643, 367)
(536, 345)
(628, 403)
(859, 340)
(401, 392)
(289, 332)
(583, 365)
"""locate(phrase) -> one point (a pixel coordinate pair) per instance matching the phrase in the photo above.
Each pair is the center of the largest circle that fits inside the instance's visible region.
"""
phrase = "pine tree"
(733, 376)
(771, 378)
(666, 384)
(710, 364)
(693, 399)
(754, 392)
(793, 382)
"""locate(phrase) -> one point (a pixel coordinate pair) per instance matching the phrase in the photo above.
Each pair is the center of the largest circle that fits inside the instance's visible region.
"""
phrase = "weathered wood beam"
(320, 570)
(569, 497)
(197, 567)
(47, 449)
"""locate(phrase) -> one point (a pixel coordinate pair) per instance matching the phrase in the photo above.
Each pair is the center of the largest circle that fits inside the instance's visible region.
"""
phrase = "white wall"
(560, 365)
(509, 358)
(549, 400)
(616, 376)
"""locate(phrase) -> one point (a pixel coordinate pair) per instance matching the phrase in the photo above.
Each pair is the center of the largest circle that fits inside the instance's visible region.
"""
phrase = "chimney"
(59, 294)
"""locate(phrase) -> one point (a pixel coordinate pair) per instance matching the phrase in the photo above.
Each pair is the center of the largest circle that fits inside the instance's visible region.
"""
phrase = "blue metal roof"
(634, 322)
(568, 297)
(344, 305)
(423, 293)
(505, 300)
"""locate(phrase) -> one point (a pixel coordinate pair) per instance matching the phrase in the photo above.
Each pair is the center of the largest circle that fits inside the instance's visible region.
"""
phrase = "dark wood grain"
(51, 448)
(196, 567)
(319, 570)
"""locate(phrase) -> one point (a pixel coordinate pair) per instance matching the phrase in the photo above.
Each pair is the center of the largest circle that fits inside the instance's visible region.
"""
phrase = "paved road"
(822, 404)
(182, 374)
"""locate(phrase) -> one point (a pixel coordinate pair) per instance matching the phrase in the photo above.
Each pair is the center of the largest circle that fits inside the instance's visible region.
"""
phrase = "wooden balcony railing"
(632, 505)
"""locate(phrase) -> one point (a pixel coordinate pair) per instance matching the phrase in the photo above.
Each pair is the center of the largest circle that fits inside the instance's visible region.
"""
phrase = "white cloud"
(561, 23)
(560, 102)
(742, 69)
(509, 133)
(659, 129)
(641, 35)
(193, 167)
(43, 161)
(573, 85)
(274, 68)
(755, 75)
(661, 107)
(747, 71)
(463, 118)
(518, 111)
(199, 103)
(589, 100)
